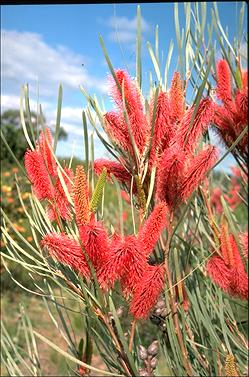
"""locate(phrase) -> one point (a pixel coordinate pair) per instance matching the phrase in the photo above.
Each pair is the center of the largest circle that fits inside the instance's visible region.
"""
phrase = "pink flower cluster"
(166, 139)
(175, 137)
(227, 269)
(232, 196)
(116, 258)
(231, 117)
(41, 168)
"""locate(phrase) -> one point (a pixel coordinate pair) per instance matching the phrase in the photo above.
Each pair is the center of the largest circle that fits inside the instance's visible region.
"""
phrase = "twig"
(133, 327)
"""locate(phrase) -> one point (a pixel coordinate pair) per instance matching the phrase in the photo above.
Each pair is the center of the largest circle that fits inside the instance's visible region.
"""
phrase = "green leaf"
(171, 47)
(28, 113)
(58, 117)
(72, 358)
(155, 63)
(22, 119)
(80, 348)
(85, 140)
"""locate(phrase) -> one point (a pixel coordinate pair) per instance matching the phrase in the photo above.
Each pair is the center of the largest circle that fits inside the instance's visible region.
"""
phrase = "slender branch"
(132, 333)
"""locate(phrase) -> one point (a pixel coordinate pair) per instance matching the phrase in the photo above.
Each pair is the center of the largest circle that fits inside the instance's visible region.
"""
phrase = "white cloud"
(9, 101)
(26, 57)
(124, 29)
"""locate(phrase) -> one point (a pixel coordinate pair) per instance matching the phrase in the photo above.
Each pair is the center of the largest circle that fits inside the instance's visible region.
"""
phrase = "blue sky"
(49, 43)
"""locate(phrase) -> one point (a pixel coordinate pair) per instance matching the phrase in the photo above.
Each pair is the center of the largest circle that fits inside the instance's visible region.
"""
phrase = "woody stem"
(133, 327)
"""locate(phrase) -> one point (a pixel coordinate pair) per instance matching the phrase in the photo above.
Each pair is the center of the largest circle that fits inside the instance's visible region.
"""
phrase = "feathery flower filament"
(137, 118)
(38, 175)
(152, 228)
(231, 117)
(147, 291)
(197, 170)
(126, 261)
(176, 98)
(66, 250)
(96, 242)
(44, 146)
(229, 272)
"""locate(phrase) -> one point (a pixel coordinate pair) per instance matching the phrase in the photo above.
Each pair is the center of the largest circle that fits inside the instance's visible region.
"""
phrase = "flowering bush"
(182, 267)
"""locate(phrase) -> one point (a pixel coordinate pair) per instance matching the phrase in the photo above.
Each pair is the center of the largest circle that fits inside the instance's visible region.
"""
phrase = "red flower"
(38, 175)
(224, 88)
(190, 130)
(164, 129)
(219, 272)
(95, 241)
(169, 175)
(231, 117)
(66, 250)
(117, 130)
(44, 146)
(134, 106)
(176, 95)
(115, 168)
(152, 228)
(197, 170)
(228, 271)
(126, 262)
(60, 204)
(147, 291)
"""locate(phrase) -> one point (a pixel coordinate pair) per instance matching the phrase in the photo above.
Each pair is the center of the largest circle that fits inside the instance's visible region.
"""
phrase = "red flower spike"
(134, 107)
(176, 95)
(67, 251)
(60, 204)
(231, 118)
(38, 175)
(126, 262)
(241, 103)
(226, 245)
(152, 228)
(219, 272)
(190, 131)
(197, 170)
(81, 197)
(231, 277)
(169, 175)
(239, 277)
(115, 168)
(118, 131)
(245, 79)
(239, 283)
(95, 241)
(224, 89)
(147, 291)
(163, 128)
(43, 147)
